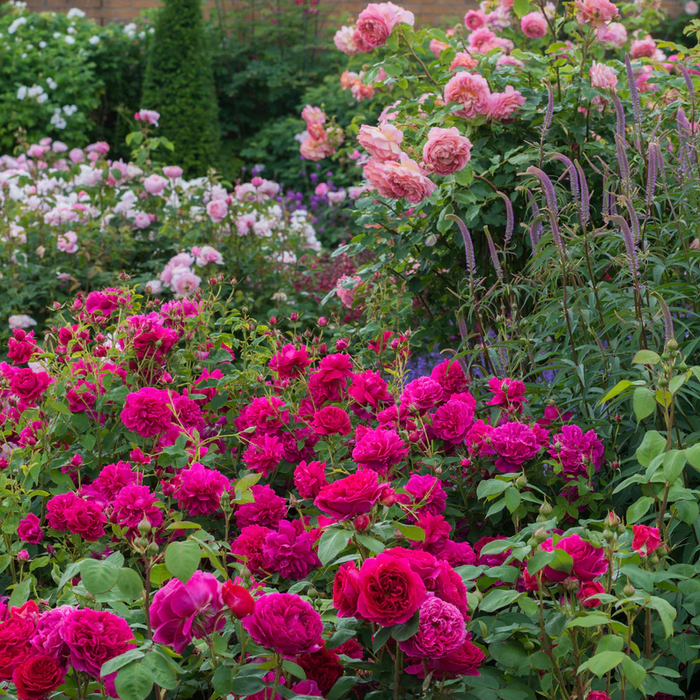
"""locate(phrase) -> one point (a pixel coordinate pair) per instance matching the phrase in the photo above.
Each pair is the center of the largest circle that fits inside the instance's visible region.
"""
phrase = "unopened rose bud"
(294, 316)
(341, 344)
(618, 418)
(322, 321)
(612, 519)
(361, 523)
(225, 502)
(541, 535)
(672, 344)
(23, 555)
(629, 590)
(608, 534)
(388, 496)
(273, 321)
(152, 549)
(545, 509)
(654, 560)
(144, 527)
(521, 482)
(571, 583)
(237, 599)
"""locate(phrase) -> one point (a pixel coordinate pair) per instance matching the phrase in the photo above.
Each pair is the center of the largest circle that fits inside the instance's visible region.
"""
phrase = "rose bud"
(361, 523)
(388, 496)
(238, 599)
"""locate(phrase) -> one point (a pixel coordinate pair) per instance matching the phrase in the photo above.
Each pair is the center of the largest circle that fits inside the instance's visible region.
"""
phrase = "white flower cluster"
(35, 92)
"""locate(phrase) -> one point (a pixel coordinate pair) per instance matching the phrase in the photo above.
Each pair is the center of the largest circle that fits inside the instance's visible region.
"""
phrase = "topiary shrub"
(179, 84)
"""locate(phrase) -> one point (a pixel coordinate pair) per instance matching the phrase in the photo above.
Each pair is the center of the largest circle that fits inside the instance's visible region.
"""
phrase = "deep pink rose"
(514, 443)
(248, 546)
(267, 508)
(331, 420)
(310, 478)
(451, 422)
(446, 151)
(180, 611)
(379, 449)
(94, 637)
(646, 539)
(286, 624)
(441, 629)
(589, 562)
(576, 450)
(390, 591)
(29, 529)
(346, 589)
(147, 412)
(427, 494)
(463, 661)
(29, 385)
(290, 551)
(586, 594)
(351, 496)
(200, 489)
(38, 676)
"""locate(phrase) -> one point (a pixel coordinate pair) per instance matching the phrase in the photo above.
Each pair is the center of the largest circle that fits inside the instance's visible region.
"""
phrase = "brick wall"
(123, 10)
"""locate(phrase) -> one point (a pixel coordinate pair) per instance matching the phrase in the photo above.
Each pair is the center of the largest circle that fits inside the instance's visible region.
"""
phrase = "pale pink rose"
(141, 220)
(691, 8)
(337, 197)
(483, 40)
(68, 242)
(360, 91)
(346, 288)
(217, 210)
(446, 150)
(375, 24)
(614, 34)
(344, 41)
(321, 189)
(176, 263)
(244, 224)
(643, 48)
(402, 16)
(475, 19)
(313, 115)
(172, 171)
(375, 172)
(603, 76)
(21, 321)
(59, 147)
(312, 149)
(503, 104)
(382, 142)
(206, 255)
(155, 184)
(463, 59)
(437, 47)
(534, 25)
(147, 115)
(37, 151)
(356, 192)
(408, 180)
(595, 12)
(507, 60)
(185, 281)
(471, 91)
(76, 155)
(641, 80)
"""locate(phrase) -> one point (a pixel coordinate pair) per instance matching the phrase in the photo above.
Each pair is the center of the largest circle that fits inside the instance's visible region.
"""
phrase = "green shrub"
(179, 84)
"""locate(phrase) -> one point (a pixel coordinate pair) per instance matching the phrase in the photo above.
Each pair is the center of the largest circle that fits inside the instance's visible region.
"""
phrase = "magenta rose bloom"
(451, 422)
(249, 547)
(514, 443)
(450, 376)
(589, 562)
(94, 637)
(29, 529)
(354, 495)
(133, 504)
(508, 393)
(200, 489)
(369, 389)
(447, 585)
(38, 676)
(47, 638)
(390, 591)
(29, 385)
(346, 589)
(331, 420)
(147, 412)
(264, 454)
(379, 449)
(646, 539)
(310, 478)
(112, 479)
(267, 508)
(428, 497)
(421, 395)
(180, 611)
(86, 519)
(290, 551)
(575, 450)
(290, 362)
(286, 624)
(441, 629)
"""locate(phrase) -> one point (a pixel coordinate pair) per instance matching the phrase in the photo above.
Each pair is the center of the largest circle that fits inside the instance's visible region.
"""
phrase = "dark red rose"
(346, 589)
(322, 666)
(390, 591)
(14, 642)
(587, 592)
(332, 420)
(238, 599)
(37, 676)
(354, 495)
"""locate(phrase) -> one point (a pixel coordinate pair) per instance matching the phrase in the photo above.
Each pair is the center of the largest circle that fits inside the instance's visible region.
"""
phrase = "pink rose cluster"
(373, 27)
(471, 91)
(320, 141)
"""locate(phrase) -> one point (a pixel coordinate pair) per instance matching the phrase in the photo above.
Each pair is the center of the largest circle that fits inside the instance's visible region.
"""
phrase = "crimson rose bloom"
(331, 420)
(29, 529)
(379, 449)
(463, 661)
(14, 643)
(29, 385)
(37, 676)
(147, 412)
(310, 478)
(237, 599)
(286, 624)
(441, 629)
(589, 561)
(354, 495)
(390, 591)
(601, 695)
(452, 421)
(322, 666)
(587, 592)
(346, 589)
(646, 539)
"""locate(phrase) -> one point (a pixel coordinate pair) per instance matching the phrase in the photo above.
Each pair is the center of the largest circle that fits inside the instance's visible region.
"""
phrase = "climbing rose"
(471, 91)
(441, 629)
(147, 412)
(200, 489)
(446, 150)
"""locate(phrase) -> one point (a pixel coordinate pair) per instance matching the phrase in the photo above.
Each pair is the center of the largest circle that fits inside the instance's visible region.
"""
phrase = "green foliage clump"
(179, 84)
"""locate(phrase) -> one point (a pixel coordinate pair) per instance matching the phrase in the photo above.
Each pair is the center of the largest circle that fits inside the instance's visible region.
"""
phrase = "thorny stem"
(418, 58)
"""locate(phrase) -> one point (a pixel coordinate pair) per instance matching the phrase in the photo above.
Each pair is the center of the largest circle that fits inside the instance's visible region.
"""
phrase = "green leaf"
(588, 620)
(492, 487)
(497, 599)
(405, 631)
(120, 661)
(634, 673)
(513, 499)
(380, 638)
(639, 509)
(20, 593)
(130, 584)
(646, 357)
(521, 7)
(98, 576)
(674, 461)
(134, 681)
(616, 390)
(643, 402)
(332, 543)
(539, 560)
(652, 446)
(413, 532)
(245, 685)
(294, 669)
(666, 611)
(692, 454)
(606, 661)
(182, 559)
(159, 574)
(342, 685)
(509, 654)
